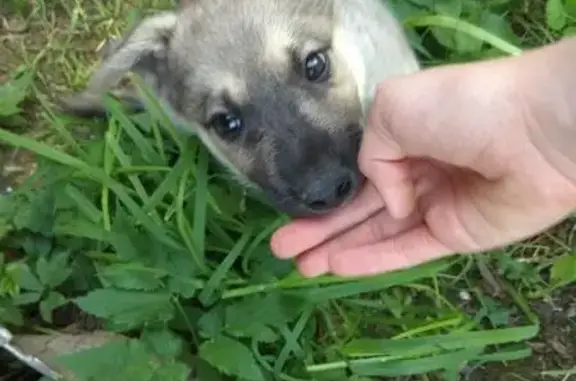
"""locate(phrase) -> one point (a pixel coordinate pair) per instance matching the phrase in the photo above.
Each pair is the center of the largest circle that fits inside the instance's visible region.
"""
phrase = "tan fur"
(246, 58)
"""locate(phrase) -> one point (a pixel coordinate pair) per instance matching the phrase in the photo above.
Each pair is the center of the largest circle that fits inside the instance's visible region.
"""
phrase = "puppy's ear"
(140, 50)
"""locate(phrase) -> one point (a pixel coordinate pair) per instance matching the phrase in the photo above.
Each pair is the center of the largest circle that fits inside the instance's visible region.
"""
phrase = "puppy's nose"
(329, 190)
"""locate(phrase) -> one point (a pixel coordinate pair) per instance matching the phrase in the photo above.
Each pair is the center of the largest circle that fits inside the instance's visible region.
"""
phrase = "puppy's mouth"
(292, 204)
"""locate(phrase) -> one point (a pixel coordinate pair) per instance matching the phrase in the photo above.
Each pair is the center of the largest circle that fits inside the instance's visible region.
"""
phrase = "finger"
(312, 264)
(394, 184)
(371, 231)
(382, 159)
(301, 235)
(376, 228)
(411, 248)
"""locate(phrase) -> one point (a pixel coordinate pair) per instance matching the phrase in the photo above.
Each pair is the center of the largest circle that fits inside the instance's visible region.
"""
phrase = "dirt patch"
(554, 350)
(39, 44)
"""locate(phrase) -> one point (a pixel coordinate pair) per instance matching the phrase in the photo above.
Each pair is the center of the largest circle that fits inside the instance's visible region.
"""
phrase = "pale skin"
(458, 159)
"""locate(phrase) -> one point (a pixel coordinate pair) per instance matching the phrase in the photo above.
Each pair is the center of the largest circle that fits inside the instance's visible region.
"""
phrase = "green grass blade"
(510, 354)
(123, 159)
(466, 28)
(145, 147)
(376, 283)
(410, 367)
(431, 344)
(219, 274)
(92, 173)
(86, 207)
(200, 202)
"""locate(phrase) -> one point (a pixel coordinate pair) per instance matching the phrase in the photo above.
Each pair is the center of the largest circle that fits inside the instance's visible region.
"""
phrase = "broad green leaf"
(7, 206)
(37, 246)
(27, 280)
(212, 323)
(54, 271)
(555, 14)
(122, 360)
(27, 298)
(171, 372)
(131, 277)
(129, 308)
(231, 357)
(449, 7)
(252, 316)
(14, 92)
(186, 319)
(79, 229)
(8, 283)
(50, 303)
(570, 8)
(206, 372)
(163, 342)
(184, 286)
(564, 269)
(129, 242)
(137, 246)
(257, 331)
(42, 212)
(568, 32)
(266, 268)
(9, 313)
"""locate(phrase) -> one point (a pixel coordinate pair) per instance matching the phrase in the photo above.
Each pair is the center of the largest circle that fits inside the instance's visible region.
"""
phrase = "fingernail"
(311, 266)
(277, 246)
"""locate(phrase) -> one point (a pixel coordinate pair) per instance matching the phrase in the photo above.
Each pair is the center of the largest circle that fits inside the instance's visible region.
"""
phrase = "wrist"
(546, 85)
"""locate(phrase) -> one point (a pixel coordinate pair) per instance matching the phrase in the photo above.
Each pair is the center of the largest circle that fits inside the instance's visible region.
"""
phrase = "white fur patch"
(373, 43)
(344, 46)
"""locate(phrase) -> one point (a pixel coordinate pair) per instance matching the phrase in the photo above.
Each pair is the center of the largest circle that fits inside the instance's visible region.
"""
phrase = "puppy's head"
(264, 86)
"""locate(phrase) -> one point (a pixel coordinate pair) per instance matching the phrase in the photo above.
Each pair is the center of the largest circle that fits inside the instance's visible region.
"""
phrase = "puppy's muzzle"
(329, 189)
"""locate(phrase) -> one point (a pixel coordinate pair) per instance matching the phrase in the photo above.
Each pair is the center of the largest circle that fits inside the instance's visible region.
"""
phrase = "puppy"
(277, 90)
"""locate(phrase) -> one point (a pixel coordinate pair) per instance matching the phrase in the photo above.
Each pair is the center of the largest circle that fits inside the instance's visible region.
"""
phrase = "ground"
(554, 349)
(60, 37)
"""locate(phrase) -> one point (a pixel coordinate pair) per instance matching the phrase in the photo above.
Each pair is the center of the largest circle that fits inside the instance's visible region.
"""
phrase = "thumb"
(382, 159)
(384, 164)
(404, 123)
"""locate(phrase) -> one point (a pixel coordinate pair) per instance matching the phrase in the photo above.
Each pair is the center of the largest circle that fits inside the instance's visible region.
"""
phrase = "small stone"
(465, 296)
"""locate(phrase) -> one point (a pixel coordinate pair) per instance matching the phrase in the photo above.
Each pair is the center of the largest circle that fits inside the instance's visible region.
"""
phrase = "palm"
(369, 240)
(458, 211)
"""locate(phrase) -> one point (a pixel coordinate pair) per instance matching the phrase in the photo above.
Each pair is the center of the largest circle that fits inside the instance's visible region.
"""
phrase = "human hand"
(450, 167)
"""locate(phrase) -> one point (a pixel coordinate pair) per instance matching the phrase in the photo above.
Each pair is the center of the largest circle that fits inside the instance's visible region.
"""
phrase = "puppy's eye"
(227, 123)
(317, 67)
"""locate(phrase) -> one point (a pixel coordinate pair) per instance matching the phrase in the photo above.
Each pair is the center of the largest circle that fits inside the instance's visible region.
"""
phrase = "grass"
(138, 233)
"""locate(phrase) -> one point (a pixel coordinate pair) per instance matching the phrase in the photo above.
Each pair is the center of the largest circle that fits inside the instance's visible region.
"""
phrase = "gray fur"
(301, 139)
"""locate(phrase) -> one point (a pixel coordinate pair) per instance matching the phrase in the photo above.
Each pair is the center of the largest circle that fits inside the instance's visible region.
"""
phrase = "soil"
(553, 350)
